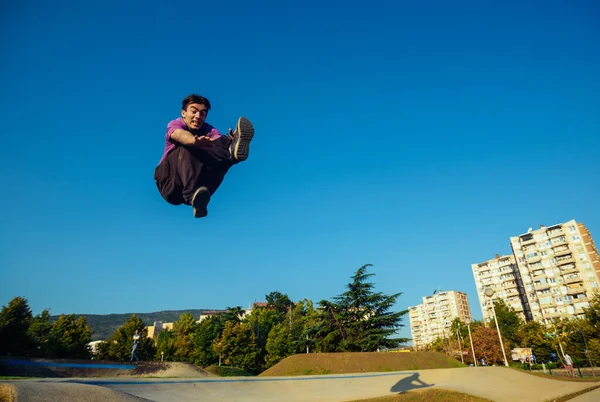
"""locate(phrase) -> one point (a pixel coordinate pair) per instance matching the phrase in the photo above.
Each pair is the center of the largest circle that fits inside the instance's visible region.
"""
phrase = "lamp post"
(459, 345)
(468, 322)
(489, 292)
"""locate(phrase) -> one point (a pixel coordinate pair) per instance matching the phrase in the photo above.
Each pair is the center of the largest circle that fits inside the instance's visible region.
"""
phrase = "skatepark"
(184, 382)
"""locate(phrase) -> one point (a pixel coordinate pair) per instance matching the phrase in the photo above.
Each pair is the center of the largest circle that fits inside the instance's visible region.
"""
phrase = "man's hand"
(203, 142)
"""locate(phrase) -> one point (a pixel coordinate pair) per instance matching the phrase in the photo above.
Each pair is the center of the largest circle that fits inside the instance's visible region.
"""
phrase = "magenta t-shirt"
(179, 124)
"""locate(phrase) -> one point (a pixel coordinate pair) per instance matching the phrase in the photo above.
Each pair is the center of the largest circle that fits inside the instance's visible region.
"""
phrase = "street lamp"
(468, 322)
(460, 347)
(489, 292)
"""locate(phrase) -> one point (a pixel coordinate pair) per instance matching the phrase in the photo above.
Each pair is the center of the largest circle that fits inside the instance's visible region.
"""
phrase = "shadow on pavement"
(410, 383)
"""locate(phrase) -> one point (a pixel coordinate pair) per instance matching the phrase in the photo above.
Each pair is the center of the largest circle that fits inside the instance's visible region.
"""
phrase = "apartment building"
(433, 318)
(501, 273)
(560, 267)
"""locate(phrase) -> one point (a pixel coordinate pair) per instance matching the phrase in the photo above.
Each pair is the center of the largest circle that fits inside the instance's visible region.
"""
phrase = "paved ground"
(593, 396)
(495, 383)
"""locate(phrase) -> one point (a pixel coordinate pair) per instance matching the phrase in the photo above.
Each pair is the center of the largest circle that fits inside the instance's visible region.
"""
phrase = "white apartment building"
(501, 274)
(560, 267)
(433, 318)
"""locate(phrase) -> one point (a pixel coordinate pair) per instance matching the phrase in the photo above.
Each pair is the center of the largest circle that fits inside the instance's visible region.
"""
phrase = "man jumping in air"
(197, 157)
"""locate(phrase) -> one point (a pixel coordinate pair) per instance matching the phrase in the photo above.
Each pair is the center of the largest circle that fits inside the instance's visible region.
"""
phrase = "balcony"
(541, 286)
(574, 279)
(564, 251)
(556, 231)
(574, 291)
(565, 259)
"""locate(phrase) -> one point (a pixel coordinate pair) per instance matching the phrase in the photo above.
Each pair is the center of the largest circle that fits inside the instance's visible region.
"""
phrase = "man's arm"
(184, 137)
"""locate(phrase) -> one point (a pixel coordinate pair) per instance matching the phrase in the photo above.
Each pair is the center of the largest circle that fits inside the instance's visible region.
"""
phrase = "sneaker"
(240, 147)
(200, 200)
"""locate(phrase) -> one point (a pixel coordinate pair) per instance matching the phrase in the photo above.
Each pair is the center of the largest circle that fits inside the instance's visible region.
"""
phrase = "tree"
(120, 343)
(279, 302)
(183, 331)
(261, 320)
(206, 332)
(39, 333)
(69, 337)
(592, 315)
(487, 345)
(280, 344)
(365, 319)
(532, 335)
(508, 321)
(237, 346)
(14, 325)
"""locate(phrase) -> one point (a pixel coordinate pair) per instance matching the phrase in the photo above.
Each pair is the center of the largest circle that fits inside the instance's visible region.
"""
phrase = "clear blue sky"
(414, 135)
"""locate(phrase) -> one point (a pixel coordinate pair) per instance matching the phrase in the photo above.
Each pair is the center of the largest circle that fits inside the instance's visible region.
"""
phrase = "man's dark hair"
(193, 98)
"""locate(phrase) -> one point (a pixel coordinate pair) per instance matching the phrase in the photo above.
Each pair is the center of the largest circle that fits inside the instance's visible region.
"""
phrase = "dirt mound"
(97, 368)
(167, 369)
(63, 368)
(342, 363)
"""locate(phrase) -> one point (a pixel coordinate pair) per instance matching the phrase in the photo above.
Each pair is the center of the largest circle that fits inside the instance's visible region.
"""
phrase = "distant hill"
(104, 325)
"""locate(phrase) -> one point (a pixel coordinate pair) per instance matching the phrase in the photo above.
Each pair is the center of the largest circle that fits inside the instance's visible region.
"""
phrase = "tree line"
(578, 337)
(360, 319)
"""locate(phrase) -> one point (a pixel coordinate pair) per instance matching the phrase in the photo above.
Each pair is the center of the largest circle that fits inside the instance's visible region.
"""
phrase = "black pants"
(186, 169)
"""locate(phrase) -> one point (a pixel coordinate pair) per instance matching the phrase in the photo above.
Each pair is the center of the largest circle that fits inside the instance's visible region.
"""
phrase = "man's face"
(194, 115)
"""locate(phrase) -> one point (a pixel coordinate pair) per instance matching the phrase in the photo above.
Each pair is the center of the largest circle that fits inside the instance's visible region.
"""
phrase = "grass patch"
(7, 393)
(430, 395)
(226, 371)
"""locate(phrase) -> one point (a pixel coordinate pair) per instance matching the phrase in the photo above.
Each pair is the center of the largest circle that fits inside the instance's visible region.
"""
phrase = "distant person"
(197, 157)
(569, 364)
(483, 362)
(136, 342)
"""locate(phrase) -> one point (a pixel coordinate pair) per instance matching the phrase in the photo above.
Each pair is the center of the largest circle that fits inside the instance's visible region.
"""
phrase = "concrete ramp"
(495, 383)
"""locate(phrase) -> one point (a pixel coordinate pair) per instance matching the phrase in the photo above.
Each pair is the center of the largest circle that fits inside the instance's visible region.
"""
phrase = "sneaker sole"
(245, 133)
(200, 202)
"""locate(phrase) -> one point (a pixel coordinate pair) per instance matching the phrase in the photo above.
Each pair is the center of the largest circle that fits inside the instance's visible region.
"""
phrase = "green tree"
(365, 316)
(261, 320)
(280, 344)
(592, 315)
(183, 331)
(237, 346)
(532, 335)
(14, 325)
(165, 346)
(508, 321)
(39, 333)
(121, 342)
(69, 337)
(328, 330)
(206, 332)
(279, 302)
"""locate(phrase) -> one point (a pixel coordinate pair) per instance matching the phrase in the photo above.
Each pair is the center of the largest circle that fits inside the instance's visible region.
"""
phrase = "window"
(572, 229)
(594, 284)
(576, 238)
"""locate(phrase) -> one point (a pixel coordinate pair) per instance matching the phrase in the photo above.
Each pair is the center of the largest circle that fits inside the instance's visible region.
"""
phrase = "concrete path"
(495, 383)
